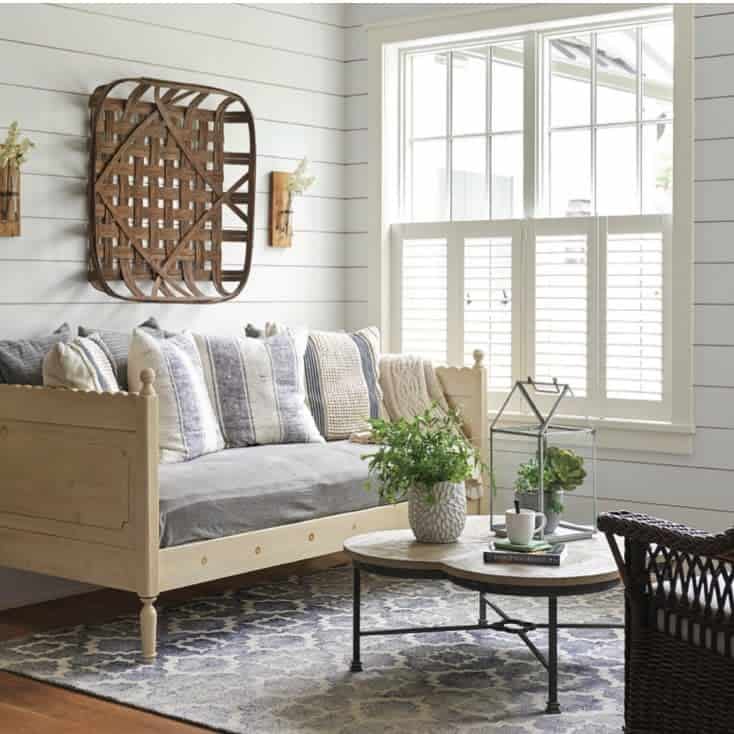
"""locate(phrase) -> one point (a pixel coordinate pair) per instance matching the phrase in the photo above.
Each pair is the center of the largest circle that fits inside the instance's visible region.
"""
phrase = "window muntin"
(607, 118)
(468, 164)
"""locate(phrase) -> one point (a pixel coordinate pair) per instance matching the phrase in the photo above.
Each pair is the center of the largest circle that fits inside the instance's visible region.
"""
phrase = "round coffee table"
(587, 568)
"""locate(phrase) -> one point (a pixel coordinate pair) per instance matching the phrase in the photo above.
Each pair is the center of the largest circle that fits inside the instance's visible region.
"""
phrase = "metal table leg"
(356, 666)
(553, 707)
(482, 610)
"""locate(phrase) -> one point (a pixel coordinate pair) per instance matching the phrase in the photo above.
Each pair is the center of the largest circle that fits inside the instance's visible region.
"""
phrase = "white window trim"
(384, 40)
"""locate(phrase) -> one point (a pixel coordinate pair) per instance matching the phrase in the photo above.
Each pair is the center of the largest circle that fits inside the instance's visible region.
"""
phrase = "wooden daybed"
(79, 495)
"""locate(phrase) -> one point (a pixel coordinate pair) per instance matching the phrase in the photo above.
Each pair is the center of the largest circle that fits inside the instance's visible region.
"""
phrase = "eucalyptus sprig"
(298, 181)
(419, 453)
(14, 150)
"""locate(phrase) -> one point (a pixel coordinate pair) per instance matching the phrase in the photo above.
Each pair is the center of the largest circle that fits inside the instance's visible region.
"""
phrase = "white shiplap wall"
(286, 60)
(697, 489)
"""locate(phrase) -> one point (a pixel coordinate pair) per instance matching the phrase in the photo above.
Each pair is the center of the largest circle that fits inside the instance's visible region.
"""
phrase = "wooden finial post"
(147, 377)
(478, 355)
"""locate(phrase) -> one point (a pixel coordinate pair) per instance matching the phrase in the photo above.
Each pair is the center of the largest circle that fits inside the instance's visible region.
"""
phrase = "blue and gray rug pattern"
(275, 658)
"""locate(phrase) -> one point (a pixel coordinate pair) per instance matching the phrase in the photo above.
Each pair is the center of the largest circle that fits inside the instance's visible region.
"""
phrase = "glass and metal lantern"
(544, 464)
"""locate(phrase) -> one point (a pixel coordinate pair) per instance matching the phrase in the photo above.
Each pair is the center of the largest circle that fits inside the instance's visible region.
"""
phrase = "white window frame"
(674, 433)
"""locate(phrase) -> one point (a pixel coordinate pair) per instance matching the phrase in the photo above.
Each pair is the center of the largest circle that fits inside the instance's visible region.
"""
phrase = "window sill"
(628, 435)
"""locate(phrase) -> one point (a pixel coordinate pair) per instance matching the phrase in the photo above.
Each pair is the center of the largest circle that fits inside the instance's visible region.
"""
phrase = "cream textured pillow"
(83, 363)
(256, 388)
(188, 425)
(342, 380)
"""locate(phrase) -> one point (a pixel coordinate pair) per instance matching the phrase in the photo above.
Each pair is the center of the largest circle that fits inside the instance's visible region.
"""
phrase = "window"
(534, 222)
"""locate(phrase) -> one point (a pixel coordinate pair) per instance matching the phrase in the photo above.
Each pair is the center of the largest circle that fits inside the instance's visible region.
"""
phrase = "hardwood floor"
(30, 707)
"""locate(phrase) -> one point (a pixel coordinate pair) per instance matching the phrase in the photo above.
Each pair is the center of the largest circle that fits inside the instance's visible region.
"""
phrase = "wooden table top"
(587, 563)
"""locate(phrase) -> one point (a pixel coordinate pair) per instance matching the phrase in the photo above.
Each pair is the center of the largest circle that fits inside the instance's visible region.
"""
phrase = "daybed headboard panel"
(78, 484)
(466, 389)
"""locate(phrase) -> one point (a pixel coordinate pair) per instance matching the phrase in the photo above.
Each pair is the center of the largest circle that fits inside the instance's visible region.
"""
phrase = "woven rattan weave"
(164, 193)
(679, 649)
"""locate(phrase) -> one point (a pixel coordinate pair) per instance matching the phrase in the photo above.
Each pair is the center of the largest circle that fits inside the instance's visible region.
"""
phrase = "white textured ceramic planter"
(440, 522)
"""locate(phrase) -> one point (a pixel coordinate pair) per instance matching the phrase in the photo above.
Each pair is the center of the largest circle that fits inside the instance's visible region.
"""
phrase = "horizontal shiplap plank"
(238, 22)
(332, 14)
(76, 29)
(355, 44)
(714, 118)
(54, 241)
(714, 77)
(713, 35)
(225, 318)
(66, 155)
(714, 159)
(713, 201)
(356, 249)
(355, 180)
(355, 283)
(355, 315)
(356, 112)
(714, 366)
(714, 282)
(65, 198)
(64, 116)
(356, 213)
(79, 73)
(356, 146)
(714, 241)
(714, 324)
(66, 282)
(714, 407)
(707, 9)
(356, 78)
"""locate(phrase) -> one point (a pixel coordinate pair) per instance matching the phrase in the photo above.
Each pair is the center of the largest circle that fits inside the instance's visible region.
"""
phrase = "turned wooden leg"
(148, 625)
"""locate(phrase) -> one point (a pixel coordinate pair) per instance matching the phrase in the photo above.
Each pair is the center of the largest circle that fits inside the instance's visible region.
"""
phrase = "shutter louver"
(561, 307)
(634, 345)
(424, 326)
(488, 305)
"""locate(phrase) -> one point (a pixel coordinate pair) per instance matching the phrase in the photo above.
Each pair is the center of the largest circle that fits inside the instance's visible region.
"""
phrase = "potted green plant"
(426, 460)
(563, 471)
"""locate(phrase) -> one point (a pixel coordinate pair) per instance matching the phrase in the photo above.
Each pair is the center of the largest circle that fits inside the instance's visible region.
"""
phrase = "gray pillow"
(21, 360)
(118, 344)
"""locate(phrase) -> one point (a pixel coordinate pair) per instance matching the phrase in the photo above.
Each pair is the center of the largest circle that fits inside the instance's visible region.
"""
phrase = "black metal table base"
(506, 624)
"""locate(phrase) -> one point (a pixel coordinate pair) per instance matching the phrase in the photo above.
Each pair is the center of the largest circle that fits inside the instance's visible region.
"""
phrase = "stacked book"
(537, 552)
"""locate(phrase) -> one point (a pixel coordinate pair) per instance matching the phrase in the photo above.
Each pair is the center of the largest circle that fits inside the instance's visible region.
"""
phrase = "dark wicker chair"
(679, 625)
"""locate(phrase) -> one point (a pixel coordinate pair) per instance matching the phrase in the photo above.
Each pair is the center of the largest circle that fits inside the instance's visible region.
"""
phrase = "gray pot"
(529, 501)
(440, 522)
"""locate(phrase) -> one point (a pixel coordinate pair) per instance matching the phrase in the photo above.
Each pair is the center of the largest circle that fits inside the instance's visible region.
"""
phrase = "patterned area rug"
(275, 658)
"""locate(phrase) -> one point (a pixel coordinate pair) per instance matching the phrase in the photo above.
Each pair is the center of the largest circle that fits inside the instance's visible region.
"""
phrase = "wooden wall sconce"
(284, 187)
(281, 212)
(10, 200)
(166, 197)
(13, 153)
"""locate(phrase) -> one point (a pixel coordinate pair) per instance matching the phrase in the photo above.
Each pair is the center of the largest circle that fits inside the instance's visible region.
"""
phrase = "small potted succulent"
(563, 471)
(426, 460)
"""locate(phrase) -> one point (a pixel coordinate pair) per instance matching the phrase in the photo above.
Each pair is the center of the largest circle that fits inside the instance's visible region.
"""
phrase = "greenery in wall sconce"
(13, 154)
(284, 186)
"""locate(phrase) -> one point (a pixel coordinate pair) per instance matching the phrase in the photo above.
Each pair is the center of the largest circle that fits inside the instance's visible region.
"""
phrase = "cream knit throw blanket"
(409, 387)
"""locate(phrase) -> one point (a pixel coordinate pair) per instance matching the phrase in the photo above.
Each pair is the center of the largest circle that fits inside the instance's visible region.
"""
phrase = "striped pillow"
(84, 363)
(342, 380)
(256, 388)
(188, 425)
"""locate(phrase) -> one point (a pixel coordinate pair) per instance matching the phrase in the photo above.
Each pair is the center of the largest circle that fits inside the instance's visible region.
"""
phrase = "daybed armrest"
(647, 529)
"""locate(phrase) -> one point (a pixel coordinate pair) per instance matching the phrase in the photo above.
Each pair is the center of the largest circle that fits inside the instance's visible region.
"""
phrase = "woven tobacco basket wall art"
(166, 200)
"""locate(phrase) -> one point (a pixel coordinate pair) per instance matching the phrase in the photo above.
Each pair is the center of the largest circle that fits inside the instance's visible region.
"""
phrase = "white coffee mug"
(522, 526)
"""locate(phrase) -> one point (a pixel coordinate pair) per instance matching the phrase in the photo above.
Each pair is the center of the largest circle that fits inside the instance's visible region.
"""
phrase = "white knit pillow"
(342, 380)
(188, 425)
(84, 363)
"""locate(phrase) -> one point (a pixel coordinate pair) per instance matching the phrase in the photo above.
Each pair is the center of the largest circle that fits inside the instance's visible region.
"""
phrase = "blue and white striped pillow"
(256, 388)
(84, 363)
(342, 380)
(187, 423)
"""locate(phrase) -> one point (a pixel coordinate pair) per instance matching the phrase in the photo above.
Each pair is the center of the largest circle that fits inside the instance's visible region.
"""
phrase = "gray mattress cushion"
(257, 487)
